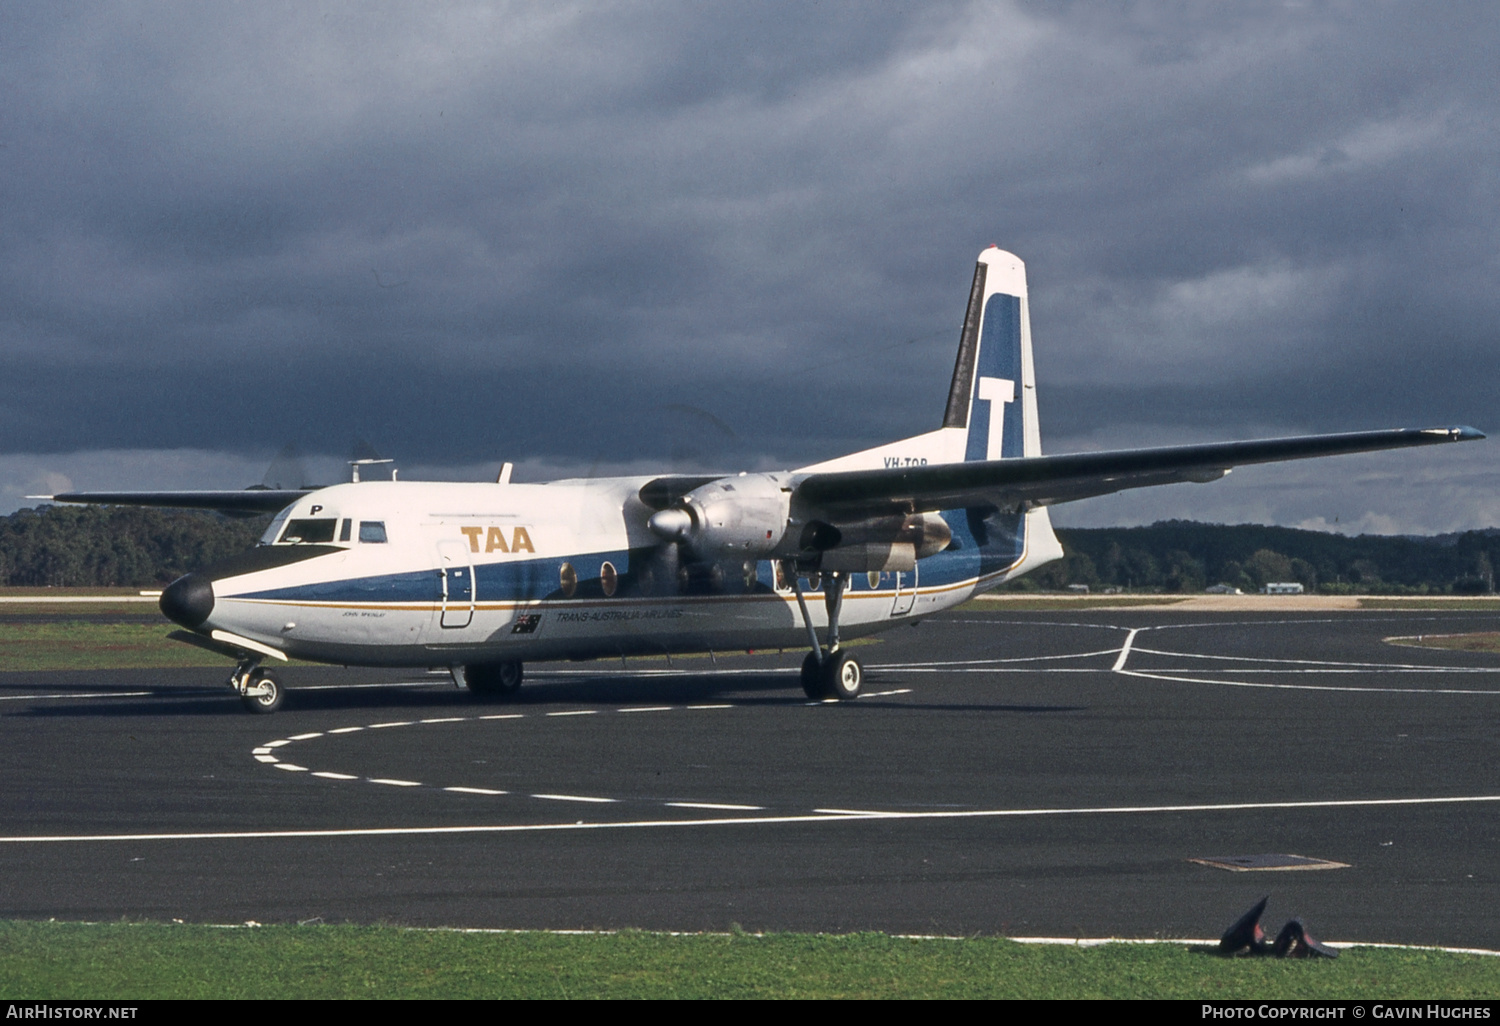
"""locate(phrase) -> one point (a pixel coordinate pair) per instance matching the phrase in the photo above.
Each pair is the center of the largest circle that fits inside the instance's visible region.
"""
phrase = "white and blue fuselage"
(419, 574)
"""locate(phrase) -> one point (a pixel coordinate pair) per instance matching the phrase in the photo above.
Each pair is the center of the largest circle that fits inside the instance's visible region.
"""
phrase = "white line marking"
(996, 669)
(395, 783)
(1415, 670)
(277, 744)
(394, 723)
(289, 766)
(445, 719)
(1125, 650)
(326, 775)
(575, 712)
(474, 790)
(576, 798)
(646, 708)
(266, 758)
(1319, 662)
(305, 737)
(882, 694)
(263, 750)
(716, 805)
(345, 730)
(505, 716)
(724, 706)
(1308, 687)
(91, 694)
(503, 828)
(991, 662)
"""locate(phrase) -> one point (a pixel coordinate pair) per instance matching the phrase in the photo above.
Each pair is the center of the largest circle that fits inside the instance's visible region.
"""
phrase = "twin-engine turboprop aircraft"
(485, 577)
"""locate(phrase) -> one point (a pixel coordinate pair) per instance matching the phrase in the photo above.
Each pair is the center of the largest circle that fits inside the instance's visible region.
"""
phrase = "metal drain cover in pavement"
(1266, 863)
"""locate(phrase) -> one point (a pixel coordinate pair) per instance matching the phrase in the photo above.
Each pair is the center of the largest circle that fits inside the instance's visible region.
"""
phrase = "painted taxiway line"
(1305, 687)
(1125, 650)
(92, 694)
(818, 816)
(1313, 662)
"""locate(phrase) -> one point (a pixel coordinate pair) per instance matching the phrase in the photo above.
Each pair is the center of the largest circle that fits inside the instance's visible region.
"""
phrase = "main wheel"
(497, 679)
(268, 702)
(814, 683)
(845, 675)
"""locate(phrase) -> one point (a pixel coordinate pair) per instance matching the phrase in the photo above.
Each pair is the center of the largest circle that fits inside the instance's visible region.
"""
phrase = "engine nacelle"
(733, 516)
(870, 556)
(904, 538)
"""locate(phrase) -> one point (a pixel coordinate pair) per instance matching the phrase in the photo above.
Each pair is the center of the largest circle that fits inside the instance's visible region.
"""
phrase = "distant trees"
(113, 546)
(1182, 556)
(104, 546)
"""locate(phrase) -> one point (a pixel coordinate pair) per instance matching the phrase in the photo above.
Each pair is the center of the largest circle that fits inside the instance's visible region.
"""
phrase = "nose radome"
(188, 600)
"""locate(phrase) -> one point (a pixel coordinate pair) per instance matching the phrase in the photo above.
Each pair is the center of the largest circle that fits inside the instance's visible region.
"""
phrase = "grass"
(95, 645)
(1475, 602)
(1483, 641)
(150, 961)
(68, 592)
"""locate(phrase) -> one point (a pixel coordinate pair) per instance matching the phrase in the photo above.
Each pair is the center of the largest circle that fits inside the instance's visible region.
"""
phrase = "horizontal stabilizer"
(1046, 480)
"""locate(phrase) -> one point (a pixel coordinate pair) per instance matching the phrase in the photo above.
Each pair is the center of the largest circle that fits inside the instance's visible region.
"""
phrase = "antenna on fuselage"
(354, 466)
(504, 476)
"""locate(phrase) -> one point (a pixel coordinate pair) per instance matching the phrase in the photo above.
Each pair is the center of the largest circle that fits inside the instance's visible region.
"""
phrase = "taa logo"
(494, 539)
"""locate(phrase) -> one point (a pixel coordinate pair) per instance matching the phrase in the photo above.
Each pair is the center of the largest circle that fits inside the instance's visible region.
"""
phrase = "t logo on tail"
(997, 392)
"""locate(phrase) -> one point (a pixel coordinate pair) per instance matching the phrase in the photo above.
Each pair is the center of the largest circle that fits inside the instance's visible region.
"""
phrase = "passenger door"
(906, 592)
(457, 569)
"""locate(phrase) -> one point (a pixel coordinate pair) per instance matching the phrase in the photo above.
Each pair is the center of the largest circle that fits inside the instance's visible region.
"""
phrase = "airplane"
(483, 578)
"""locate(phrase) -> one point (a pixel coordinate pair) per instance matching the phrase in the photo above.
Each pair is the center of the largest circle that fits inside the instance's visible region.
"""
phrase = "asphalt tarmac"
(1023, 774)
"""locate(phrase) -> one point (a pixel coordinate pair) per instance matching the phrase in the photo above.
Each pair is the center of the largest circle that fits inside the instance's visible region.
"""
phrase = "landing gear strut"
(258, 690)
(828, 672)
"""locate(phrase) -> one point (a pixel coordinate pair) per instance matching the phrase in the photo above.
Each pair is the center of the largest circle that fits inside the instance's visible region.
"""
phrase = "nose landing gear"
(258, 690)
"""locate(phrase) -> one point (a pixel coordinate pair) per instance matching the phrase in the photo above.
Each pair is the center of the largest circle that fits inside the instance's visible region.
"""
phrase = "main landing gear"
(492, 680)
(828, 672)
(258, 690)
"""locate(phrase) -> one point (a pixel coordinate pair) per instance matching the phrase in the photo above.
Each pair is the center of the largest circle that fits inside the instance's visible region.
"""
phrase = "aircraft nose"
(188, 600)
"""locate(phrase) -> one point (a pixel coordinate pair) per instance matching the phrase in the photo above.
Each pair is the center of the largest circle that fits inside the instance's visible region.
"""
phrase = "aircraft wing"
(246, 500)
(1046, 480)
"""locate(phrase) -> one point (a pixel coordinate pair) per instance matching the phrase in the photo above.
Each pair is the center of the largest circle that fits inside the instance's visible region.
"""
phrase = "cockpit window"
(274, 530)
(372, 531)
(309, 532)
(344, 530)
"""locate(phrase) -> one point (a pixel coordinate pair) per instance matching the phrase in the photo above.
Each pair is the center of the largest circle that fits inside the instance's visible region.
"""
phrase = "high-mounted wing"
(1047, 480)
(247, 500)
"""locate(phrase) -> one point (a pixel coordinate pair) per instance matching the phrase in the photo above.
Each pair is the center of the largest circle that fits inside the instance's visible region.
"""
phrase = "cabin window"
(372, 531)
(344, 529)
(567, 579)
(309, 532)
(609, 579)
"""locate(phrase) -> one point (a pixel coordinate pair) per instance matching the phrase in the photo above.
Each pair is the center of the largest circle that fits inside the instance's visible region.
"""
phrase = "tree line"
(121, 546)
(1184, 556)
(116, 546)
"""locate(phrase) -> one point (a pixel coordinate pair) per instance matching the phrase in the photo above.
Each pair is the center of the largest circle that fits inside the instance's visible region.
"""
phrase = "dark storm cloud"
(479, 232)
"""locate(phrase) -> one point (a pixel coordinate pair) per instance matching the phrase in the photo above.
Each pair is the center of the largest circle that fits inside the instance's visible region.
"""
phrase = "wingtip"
(1457, 433)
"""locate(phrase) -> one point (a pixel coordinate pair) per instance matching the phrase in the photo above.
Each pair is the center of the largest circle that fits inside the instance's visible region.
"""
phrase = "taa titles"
(484, 577)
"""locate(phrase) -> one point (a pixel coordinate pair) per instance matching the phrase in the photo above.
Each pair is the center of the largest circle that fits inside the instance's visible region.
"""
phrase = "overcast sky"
(596, 238)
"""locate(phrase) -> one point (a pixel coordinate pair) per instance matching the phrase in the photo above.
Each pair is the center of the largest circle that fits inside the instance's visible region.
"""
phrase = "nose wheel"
(263, 693)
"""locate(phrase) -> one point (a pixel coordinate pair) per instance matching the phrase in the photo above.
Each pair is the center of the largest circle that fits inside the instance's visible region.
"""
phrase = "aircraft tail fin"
(993, 394)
